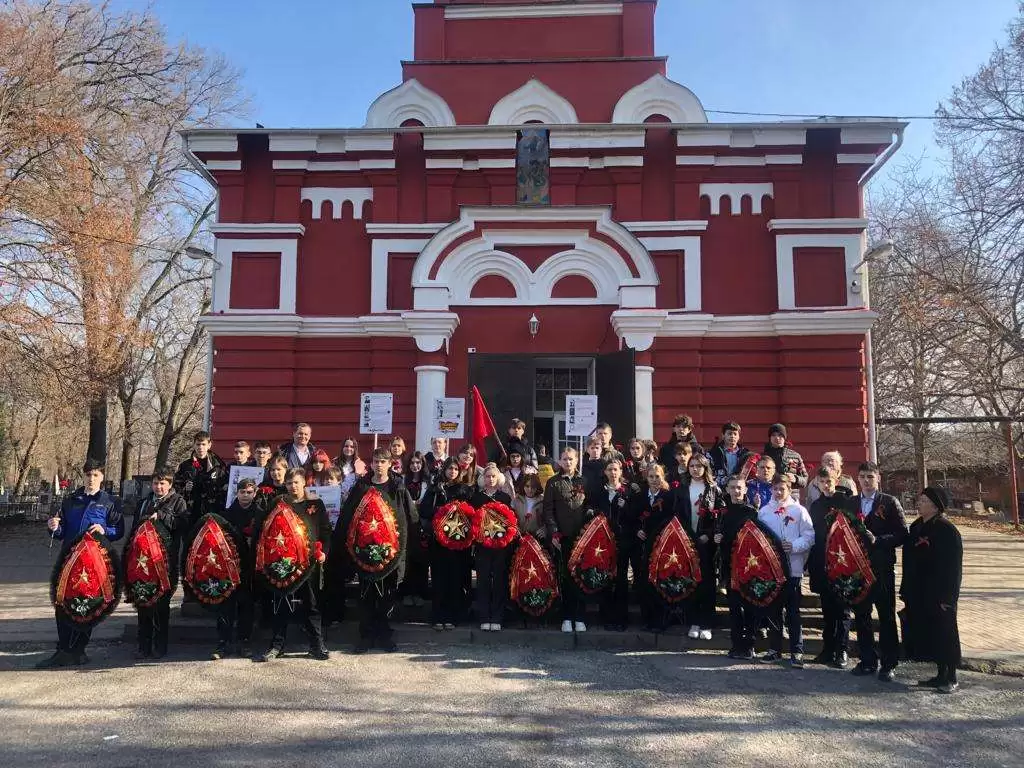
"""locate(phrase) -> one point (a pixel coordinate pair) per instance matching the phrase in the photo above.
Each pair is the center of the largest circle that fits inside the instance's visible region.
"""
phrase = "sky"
(320, 63)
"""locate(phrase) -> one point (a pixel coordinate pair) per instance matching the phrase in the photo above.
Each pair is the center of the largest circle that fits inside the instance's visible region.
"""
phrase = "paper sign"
(449, 417)
(580, 415)
(237, 473)
(330, 495)
(376, 410)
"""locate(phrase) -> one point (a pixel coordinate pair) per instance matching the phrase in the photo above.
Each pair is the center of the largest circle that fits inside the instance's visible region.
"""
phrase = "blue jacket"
(79, 512)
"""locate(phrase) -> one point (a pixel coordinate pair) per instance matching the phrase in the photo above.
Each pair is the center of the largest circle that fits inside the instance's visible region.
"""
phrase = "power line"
(807, 116)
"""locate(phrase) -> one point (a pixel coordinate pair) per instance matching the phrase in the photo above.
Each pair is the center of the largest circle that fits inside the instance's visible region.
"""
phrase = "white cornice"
(224, 229)
(666, 226)
(817, 224)
(811, 323)
(456, 13)
(224, 165)
(428, 325)
(389, 228)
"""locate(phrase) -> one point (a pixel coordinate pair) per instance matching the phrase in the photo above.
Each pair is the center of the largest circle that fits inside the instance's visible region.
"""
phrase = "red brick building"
(537, 162)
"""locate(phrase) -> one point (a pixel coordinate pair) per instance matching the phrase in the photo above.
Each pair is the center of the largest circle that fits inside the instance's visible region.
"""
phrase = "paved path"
(991, 605)
(482, 706)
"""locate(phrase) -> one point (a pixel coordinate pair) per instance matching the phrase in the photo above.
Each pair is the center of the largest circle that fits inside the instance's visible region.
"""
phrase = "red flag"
(482, 427)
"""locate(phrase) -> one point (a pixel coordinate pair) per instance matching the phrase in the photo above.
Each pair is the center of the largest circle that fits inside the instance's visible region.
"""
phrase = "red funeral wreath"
(147, 571)
(213, 567)
(534, 584)
(495, 525)
(594, 559)
(674, 570)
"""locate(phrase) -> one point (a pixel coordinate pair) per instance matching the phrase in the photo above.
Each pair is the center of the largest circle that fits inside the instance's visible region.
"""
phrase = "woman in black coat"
(932, 572)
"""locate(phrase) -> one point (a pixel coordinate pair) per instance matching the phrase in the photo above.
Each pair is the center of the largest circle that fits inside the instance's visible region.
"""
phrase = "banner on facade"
(449, 417)
(236, 473)
(330, 495)
(580, 415)
(376, 413)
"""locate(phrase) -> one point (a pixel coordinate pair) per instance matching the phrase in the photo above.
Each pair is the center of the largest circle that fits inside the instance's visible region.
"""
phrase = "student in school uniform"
(415, 587)
(447, 566)
(655, 511)
(491, 564)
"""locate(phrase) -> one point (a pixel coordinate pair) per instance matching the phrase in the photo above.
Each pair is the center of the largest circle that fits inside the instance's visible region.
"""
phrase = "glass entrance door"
(553, 380)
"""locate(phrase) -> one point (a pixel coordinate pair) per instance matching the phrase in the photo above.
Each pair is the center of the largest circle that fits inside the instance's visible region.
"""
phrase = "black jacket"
(654, 513)
(720, 465)
(818, 511)
(437, 496)
(209, 480)
(172, 513)
(667, 453)
(480, 498)
(788, 460)
(711, 499)
(888, 525)
(593, 474)
(406, 518)
(730, 523)
(932, 565)
(620, 510)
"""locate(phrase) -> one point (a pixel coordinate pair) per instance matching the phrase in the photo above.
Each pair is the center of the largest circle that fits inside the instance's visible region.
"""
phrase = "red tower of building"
(537, 162)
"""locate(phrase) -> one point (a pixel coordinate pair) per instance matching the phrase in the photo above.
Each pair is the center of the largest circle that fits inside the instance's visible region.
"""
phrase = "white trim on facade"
(366, 164)
(736, 192)
(594, 259)
(639, 328)
(470, 140)
(269, 228)
(659, 96)
(852, 159)
(853, 248)
(534, 101)
(223, 165)
(576, 138)
(380, 251)
(866, 134)
(337, 196)
(399, 228)
(467, 164)
(457, 13)
(644, 394)
(225, 249)
(431, 330)
(409, 101)
(817, 224)
(680, 225)
(431, 384)
(212, 143)
(692, 285)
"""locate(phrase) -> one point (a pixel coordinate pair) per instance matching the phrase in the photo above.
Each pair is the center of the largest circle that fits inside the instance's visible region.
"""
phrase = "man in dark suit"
(887, 529)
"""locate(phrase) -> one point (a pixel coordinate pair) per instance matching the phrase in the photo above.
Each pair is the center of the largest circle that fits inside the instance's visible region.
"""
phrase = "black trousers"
(882, 597)
(491, 584)
(235, 618)
(790, 605)
(574, 604)
(945, 642)
(446, 577)
(71, 637)
(742, 623)
(835, 635)
(700, 608)
(616, 599)
(154, 626)
(376, 603)
(303, 604)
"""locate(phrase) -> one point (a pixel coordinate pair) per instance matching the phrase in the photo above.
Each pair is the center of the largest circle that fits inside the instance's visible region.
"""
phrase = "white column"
(644, 402)
(431, 381)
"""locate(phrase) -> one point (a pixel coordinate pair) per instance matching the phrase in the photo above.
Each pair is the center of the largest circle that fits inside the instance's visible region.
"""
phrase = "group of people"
(388, 539)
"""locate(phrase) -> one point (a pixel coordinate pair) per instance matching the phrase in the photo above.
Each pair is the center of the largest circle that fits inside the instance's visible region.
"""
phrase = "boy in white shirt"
(795, 529)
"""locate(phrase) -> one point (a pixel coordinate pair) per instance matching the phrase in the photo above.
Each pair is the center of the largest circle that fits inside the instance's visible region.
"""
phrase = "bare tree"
(94, 231)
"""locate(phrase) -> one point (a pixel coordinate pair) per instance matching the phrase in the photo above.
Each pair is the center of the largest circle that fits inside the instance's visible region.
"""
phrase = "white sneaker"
(694, 632)
(705, 634)
(495, 627)
(581, 627)
(485, 627)
(567, 626)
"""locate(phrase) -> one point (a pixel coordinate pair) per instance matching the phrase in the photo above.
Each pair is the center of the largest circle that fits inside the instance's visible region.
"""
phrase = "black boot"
(318, 651)
(56, 661)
